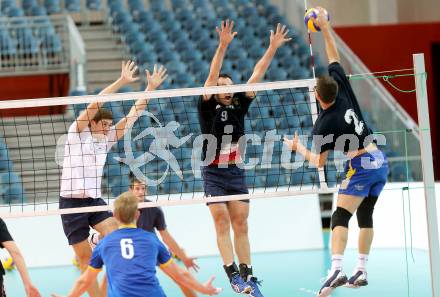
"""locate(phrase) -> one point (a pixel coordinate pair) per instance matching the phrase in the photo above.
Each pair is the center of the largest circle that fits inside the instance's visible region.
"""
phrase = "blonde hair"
(125, 208)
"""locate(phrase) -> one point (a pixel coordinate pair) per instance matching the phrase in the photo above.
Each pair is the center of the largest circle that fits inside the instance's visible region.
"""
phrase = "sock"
(230, 269)
(337, 262)
(246, 272)
(362, 262)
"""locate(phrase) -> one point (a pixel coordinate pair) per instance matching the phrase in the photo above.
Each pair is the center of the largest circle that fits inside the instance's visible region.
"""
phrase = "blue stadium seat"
(8, 46)
(37, 11)
(191, 56)
(176, 67)
(27, 43)
(52, 6)
(15, 12)
(9, 178)
(93, 4)
(275, 74)
(72, 5)
(145, 17)
(28, 4)
(52, 44)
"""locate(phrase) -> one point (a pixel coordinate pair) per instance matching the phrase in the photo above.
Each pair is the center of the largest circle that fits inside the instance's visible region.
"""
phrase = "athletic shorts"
(76, 225)
(224, 181)
(365, 175)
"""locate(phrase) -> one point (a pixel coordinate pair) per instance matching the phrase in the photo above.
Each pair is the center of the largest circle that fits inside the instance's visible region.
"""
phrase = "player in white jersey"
(89, 139)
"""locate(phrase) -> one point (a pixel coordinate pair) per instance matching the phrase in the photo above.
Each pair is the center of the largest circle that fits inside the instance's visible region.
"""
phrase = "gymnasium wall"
(35, 86)
(388, 47)
(367, 12)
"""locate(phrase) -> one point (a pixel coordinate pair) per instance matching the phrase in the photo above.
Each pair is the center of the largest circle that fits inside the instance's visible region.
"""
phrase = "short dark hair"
(103, 114)
(327, 88)
(134, 180)
(224, 75)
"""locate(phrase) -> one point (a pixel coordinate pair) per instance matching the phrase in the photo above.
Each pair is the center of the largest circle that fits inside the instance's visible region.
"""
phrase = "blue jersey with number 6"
(130, 256)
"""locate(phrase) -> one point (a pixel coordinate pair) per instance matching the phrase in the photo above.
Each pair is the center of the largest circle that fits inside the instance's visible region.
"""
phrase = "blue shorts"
(365, 175)
(224, 181)
(76, 225)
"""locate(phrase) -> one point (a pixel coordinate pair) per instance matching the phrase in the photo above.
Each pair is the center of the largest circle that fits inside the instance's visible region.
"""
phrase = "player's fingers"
(217, 30)
(211, 279)
(164, 72)
(155, 68)
(129, 66)
(232, 24)
(278, 27)
(135, 69)
(223, 25)
(123, 65)
(148, 73)
(132, 65)
(234, 34)
(165, 77)
(284, 28)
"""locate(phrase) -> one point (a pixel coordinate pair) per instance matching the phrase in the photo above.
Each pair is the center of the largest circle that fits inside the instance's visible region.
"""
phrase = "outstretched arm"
(330, 44)
(16, 255)
(177, 250)
(154, 81)
(127, 76)
(318, 160)
(226, 35)
(277, 39)
(185, 278)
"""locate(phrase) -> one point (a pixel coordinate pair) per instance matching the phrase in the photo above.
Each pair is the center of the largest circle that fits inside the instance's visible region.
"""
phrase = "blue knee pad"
(340, 217)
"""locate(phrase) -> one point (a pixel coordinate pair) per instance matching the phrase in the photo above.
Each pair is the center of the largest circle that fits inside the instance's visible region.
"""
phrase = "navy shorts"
(365, 175)
(76, 226)
(224, 181)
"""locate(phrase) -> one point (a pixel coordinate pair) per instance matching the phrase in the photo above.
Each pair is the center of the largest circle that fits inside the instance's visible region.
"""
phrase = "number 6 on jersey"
(127, 249)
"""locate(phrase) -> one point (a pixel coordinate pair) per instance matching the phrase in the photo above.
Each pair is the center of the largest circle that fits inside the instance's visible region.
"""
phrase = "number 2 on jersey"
(351, 116)
(127, 249)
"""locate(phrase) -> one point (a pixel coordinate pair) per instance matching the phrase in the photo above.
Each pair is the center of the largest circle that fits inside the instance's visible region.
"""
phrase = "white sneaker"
(93, 239)
(359, 279)
(335, 278)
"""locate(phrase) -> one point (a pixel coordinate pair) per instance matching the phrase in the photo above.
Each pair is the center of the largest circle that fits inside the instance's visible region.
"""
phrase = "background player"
(89, 139)
(8, 243)
(366, 171)
(130, 255)
(224, 114)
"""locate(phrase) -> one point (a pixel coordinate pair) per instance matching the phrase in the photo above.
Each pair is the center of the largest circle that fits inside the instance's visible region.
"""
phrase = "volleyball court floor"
(284, 274)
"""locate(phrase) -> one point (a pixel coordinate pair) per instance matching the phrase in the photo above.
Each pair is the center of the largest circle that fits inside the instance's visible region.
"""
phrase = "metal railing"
(39, 45)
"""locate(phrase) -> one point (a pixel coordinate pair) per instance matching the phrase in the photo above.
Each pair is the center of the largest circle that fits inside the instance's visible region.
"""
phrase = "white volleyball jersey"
(83, 164)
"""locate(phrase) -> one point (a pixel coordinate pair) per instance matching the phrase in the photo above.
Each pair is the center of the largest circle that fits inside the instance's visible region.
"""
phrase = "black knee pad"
(340, 217)
(365, 212)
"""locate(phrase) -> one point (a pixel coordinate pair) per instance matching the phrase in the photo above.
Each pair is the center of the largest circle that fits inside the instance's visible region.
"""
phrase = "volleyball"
(309, 19)
(8, 263)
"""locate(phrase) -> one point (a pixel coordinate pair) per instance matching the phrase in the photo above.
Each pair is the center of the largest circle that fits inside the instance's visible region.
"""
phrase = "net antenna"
(428, 171)
(313, 102)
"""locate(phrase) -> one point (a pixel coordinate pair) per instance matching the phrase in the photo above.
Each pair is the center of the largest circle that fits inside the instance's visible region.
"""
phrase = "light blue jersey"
(130, 255)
